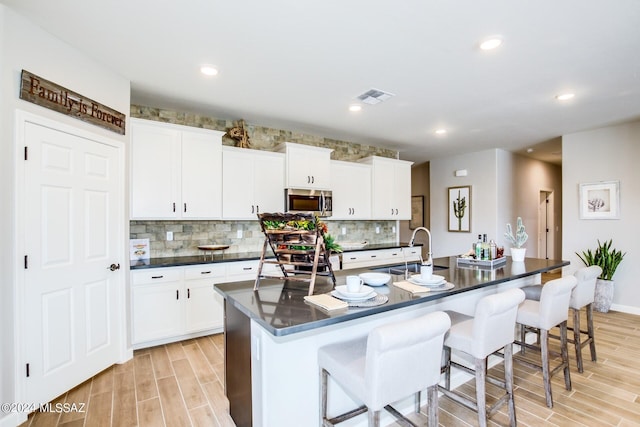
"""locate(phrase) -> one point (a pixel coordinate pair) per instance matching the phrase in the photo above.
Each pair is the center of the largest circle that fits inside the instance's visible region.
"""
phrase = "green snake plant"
(605, 257)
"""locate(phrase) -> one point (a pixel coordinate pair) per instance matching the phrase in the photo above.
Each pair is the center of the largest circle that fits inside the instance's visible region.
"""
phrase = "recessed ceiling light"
(491, 43)
(529, 150)
(441, 132)
(355, 107)
(208, 70)
(565, 96)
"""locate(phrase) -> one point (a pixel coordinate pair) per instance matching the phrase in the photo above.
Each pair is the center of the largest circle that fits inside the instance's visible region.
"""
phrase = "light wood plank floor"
(181, 384)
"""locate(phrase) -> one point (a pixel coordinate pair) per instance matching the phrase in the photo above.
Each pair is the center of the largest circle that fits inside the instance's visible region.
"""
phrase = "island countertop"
(279, 307)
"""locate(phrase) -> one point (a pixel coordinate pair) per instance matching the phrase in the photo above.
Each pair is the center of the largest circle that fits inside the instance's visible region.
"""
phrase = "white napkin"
(407, 286)
(326, 301)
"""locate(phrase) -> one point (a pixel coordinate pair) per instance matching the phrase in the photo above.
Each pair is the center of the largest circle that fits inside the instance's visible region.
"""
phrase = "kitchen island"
(272, 335)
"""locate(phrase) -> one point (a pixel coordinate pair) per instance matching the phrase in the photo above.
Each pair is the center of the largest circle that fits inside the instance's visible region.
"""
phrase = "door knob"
(114, 267)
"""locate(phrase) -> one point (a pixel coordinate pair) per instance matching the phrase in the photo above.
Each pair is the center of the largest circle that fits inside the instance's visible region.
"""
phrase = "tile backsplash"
(188, 235)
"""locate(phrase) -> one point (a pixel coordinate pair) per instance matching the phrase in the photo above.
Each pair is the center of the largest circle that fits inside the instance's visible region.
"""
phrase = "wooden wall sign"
(57, 98)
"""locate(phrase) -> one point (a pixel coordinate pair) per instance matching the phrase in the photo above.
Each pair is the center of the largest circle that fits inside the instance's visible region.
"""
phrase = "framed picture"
(460, 209)
(417, 212)
(600, 200)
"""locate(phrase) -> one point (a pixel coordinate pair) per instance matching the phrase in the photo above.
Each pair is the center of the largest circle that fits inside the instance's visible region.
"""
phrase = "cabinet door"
(201, 176)
(308, 167)
(237, 186)
(351, 187)
(391, 188)
(402, 183)
(155, 154)
(203, 305)
(268, 189)
(383, 192)
(157, 311)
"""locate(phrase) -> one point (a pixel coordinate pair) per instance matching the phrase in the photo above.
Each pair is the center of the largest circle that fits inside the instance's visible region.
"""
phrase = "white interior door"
(73, 228)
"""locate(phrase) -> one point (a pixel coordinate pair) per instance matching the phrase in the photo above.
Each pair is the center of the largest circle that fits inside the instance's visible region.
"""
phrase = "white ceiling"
(299, 64)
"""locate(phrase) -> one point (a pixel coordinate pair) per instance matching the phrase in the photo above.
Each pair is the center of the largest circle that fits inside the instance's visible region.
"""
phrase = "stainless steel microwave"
(303, 201)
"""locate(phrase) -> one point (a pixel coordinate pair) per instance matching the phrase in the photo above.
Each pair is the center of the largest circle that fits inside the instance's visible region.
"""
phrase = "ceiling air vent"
(374, 96)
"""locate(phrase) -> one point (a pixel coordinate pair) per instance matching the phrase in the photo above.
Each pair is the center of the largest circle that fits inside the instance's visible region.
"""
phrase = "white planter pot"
(603, 297)
(517, 254)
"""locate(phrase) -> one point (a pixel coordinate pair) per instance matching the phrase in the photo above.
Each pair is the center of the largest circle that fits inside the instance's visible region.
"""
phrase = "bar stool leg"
(546, 374)
(323, 395)
(592, 343)
(447, 368)
(432, 403)
(508, 380)
(481, 397)
(576, 339)
(565, 354)
(374, 418)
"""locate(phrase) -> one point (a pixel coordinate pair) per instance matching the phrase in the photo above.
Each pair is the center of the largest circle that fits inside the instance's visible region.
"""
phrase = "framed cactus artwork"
(600, 200)
(460, 209)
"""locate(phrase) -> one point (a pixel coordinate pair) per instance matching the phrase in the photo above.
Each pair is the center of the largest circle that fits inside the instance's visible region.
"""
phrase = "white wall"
(605, 154)
(503, 186)
(26, 46)
(482, 177)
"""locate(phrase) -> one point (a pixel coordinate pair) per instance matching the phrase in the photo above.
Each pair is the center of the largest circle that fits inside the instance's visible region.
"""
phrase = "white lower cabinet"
(157, 311)
(172, 303)
(204, 306)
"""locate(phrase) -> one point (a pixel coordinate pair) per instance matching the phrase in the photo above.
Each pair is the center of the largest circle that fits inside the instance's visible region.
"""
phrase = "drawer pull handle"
(247, 268)
(157, 277)
(177, 294)
(205, 272)
(188, 293)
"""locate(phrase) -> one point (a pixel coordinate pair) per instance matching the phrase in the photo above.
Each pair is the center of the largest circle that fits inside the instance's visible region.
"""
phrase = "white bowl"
(375, 279)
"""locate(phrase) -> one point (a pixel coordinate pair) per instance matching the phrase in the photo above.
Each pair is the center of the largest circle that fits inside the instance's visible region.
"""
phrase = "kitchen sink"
(401, 268)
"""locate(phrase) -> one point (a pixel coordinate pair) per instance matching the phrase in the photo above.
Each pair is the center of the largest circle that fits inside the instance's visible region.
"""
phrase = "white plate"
(435, 280)
(365, 292)
(444, 287)
(375, 279)
(428, 285)
(353, 299)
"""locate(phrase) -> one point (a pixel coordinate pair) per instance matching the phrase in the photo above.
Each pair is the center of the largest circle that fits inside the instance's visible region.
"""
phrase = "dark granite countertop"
(220, 256)
(279, 305)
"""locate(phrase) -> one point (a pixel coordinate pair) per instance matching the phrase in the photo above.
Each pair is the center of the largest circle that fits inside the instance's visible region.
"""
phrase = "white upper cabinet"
(253, 182)
(351, 187)
(391, 188)
(307, 166)
(175, 171)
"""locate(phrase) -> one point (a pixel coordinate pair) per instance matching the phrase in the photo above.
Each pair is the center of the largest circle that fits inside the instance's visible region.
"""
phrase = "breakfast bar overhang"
(272, 335)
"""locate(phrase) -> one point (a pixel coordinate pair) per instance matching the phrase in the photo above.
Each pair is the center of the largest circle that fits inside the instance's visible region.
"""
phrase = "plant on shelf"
(604, 257)
(521, 235)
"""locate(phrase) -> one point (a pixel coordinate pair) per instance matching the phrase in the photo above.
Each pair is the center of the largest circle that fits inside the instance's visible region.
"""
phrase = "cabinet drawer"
(204, 271)
(361, 256)
(413, 254)
(240, 269)
(156, 275)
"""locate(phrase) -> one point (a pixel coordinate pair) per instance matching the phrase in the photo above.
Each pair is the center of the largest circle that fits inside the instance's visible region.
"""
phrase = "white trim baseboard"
(626, 309)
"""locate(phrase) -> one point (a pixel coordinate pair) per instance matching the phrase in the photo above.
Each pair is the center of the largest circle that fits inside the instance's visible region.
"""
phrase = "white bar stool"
(491, 329)
(581, 296)
(552, 310)
(393, 362)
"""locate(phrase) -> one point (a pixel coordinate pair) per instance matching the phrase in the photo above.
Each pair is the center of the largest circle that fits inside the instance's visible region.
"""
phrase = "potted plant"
(520, 238)
(608, 260)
